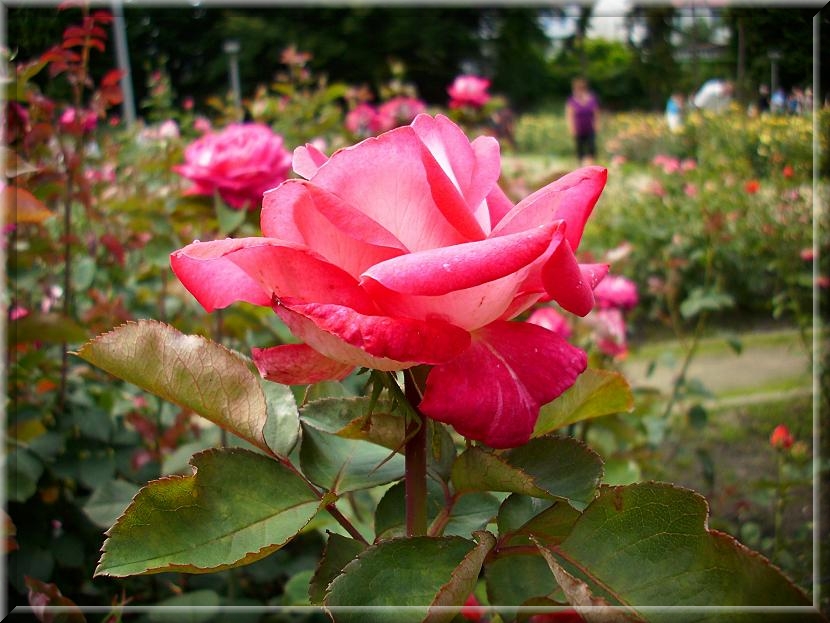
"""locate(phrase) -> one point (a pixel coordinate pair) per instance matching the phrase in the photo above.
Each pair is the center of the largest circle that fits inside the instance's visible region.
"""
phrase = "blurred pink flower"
(187, 103)
(690, 190)
(17, 312)
(202, 125)
(398, 111)
(609, 331)
(669, 164)
(362, 120)
(616, 291)
(240, 163)
(656, 188)
(169, 129)
(688, 164)
(552, 320)
(78, 122)
(469, 90)
(807, 254)
(823, 281)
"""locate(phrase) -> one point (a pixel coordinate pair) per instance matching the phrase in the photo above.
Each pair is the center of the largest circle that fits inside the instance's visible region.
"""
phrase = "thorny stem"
(330, 507)
(415, 461)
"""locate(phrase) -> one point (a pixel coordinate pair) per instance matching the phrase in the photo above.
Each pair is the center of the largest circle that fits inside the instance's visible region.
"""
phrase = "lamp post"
(123, 57)
(231, 48)
(774, 57)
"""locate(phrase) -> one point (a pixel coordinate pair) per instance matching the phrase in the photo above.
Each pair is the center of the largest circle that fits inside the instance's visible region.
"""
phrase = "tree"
(788, 31)
(655, 65)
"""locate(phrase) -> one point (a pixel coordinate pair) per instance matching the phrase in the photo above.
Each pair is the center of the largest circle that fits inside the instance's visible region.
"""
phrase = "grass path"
(769, 365)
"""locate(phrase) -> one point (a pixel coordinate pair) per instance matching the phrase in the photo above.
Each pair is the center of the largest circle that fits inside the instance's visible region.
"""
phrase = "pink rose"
(403, 250)
(241, 162)
(399, 111)
(362, 120)
(609, 332)
(78, 122)
(469, 91)
(551, 320)
(615, 291)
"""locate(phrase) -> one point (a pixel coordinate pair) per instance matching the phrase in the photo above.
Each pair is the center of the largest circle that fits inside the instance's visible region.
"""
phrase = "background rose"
(403, 250)
(469, 91)
(241, 162)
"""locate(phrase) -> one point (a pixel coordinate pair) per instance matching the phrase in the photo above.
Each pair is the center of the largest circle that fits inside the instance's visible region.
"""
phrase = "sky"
(608, 21)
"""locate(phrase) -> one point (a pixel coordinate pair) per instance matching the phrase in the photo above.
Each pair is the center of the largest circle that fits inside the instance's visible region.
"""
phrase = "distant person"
(778, 101)
(674, 111)
(795, 101)
(763, 99)
(714, 95)
(582, 115)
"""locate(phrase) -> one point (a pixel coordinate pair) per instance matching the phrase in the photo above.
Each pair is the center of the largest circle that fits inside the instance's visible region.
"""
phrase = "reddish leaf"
(43, 597)
(112, 77)
(21, 206)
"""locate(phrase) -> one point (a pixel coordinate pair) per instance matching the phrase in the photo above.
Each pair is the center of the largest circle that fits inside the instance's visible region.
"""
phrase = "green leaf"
(192, 607)
(341, 464)
(23, 470)
(432, 576)
(546, 467)
(108, 501)
(660, 531)
(282, 424)
(188, 370)
(521, 517)
(515, 579)
(236, 508)
(228, 218)
(52, 327)
(469, 513)
(595, 393)
(339, 552)
(700, 300)
(295, 591)
(347, 418)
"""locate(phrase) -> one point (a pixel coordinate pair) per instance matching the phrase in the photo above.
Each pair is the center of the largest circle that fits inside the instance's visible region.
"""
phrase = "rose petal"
(473, 168)
(571, 198)
(257, 269)
(386, 178)
(297, 364)
(468, 285)
(499, 204)
(378, 342)
(447, 269)
(568, 284)
(492, 392)
(307, 159)
(300, 212)
(214, 280)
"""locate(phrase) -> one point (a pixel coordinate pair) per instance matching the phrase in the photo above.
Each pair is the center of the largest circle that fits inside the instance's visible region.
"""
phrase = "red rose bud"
(781, 437)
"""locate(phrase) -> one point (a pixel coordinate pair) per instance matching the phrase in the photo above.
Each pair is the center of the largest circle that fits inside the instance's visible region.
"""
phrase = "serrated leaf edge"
(249, 558)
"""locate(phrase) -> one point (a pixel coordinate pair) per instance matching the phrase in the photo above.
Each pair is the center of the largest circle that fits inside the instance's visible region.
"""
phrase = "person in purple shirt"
(582, 113)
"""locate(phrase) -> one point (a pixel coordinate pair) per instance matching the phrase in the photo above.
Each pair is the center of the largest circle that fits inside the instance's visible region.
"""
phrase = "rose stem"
(415, 479)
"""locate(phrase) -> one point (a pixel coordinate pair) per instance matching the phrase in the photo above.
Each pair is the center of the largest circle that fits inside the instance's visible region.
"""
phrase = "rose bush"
(403, 250)
(240, 162)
